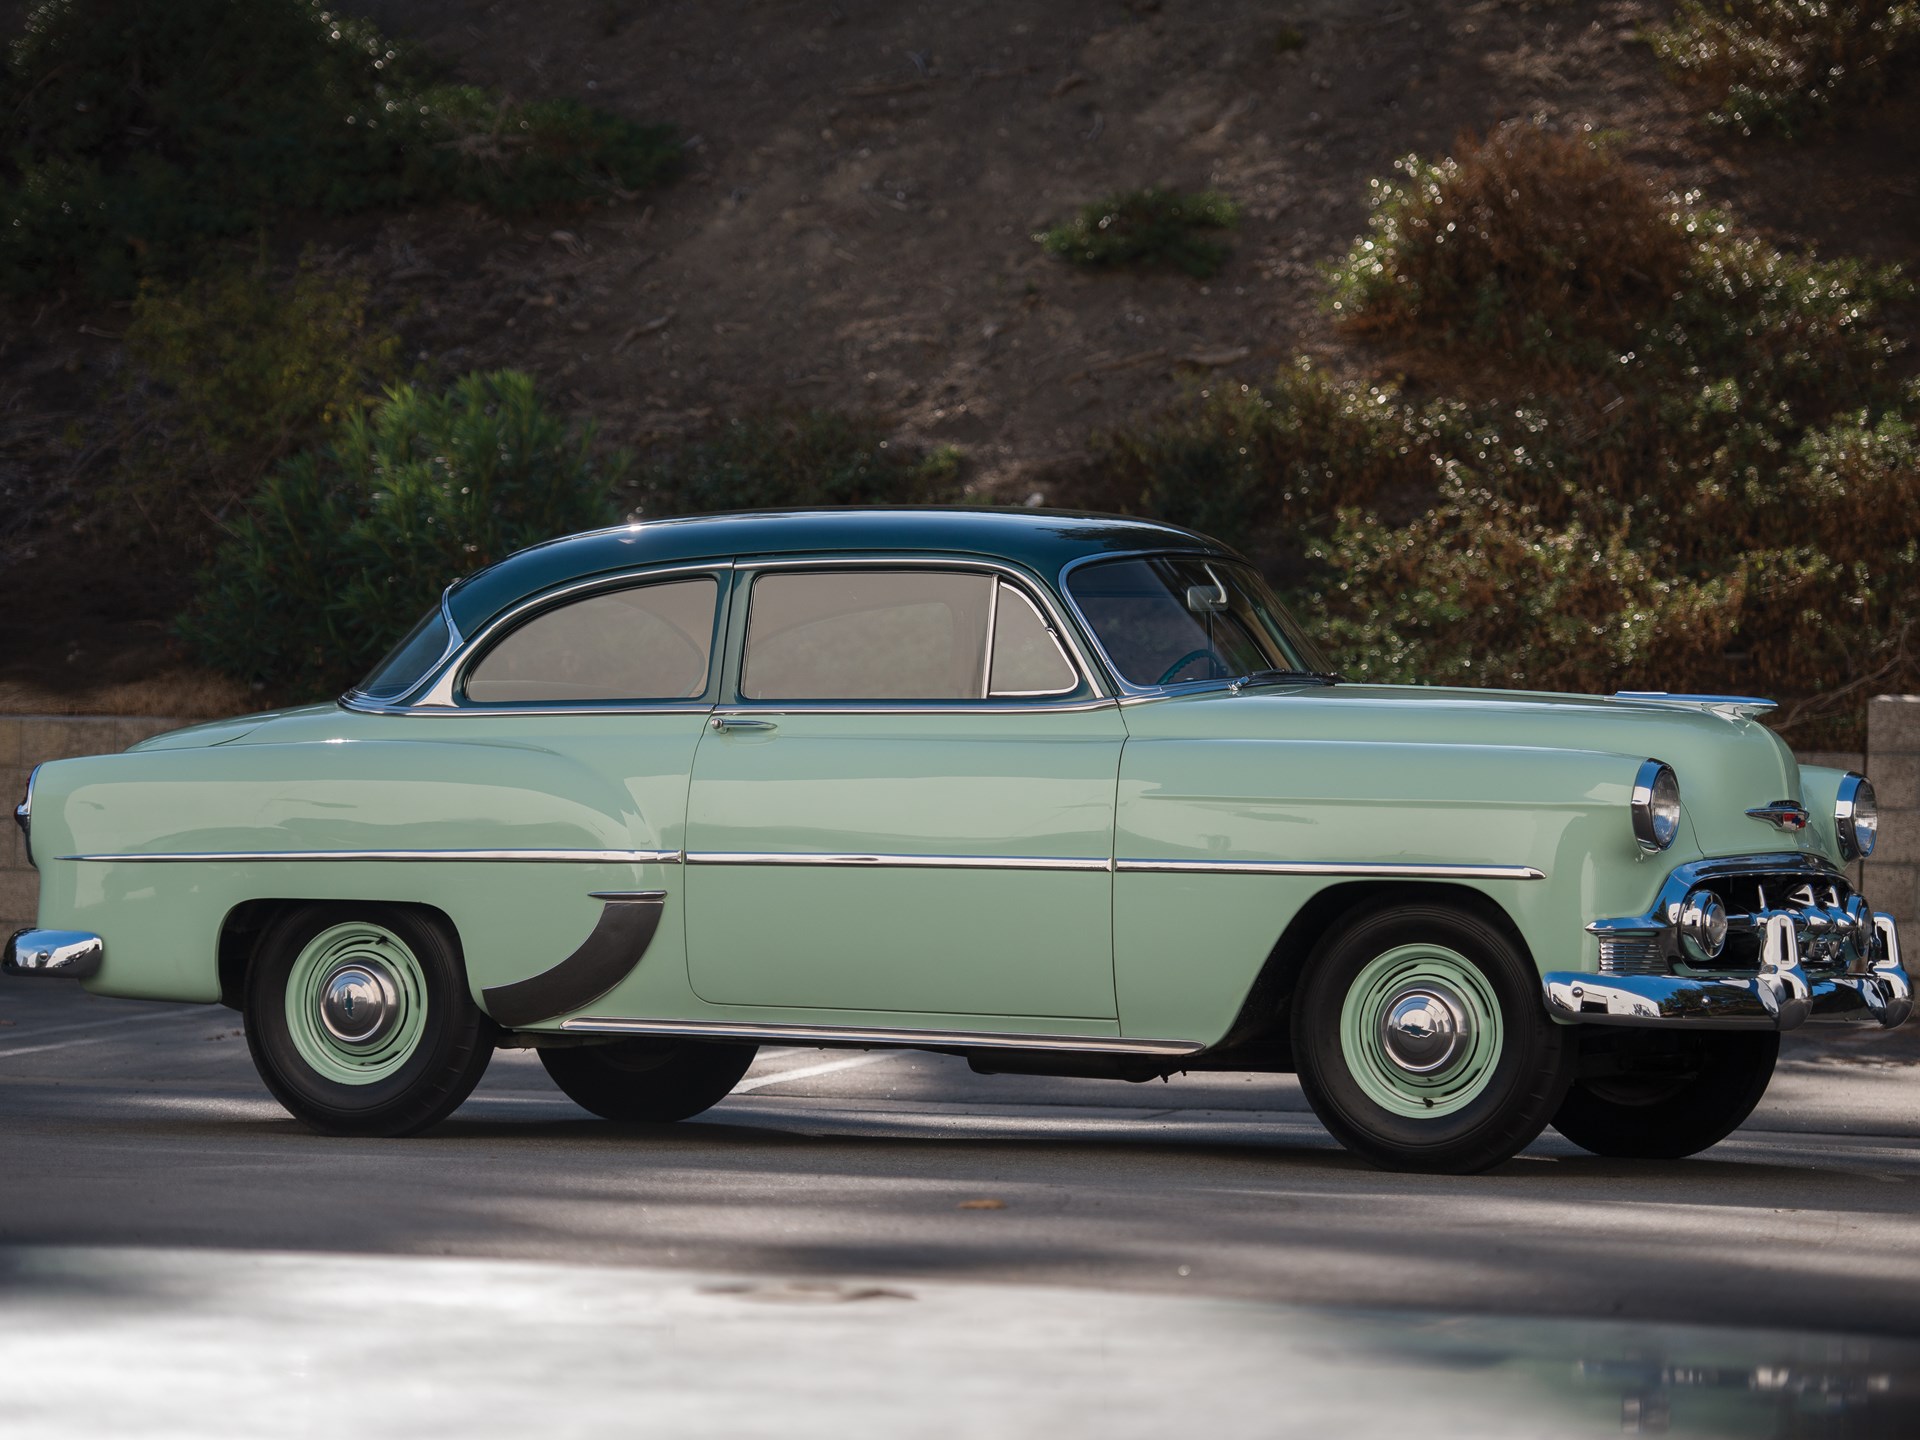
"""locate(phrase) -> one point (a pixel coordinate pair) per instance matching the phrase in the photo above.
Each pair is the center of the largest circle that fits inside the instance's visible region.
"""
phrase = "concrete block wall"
(1893, 764)
(26, 741)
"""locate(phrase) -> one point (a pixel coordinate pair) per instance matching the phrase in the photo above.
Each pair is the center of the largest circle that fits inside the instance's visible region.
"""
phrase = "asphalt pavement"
(865, 1240)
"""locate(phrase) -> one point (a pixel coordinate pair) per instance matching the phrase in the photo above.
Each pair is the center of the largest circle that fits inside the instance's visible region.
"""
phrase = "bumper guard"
(58, 954)
(1779, 996)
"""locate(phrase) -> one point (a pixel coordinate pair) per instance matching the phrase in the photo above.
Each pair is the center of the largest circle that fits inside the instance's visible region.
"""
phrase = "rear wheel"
(1643, 1095)
(1422, 1042)
(359, 1019)
(654, 1081)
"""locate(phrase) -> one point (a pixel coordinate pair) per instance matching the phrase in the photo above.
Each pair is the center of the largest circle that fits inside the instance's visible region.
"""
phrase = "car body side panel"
(1188, 946)
(358, 784)
(987, 788)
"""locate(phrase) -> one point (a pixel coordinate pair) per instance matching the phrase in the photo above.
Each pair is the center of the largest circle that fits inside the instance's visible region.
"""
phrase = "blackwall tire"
(1422, 1043)
(1668, 1096)
(359, 1019)
(648, 1081)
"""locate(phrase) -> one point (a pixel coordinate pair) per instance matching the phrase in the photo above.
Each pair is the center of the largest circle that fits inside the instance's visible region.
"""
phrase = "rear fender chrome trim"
(538, 857)
(859, 1036)
(1380, 869)
(617, 944)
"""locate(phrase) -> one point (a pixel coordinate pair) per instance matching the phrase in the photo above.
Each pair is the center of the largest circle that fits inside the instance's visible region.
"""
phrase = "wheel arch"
(244, 924)
(1259, 1029)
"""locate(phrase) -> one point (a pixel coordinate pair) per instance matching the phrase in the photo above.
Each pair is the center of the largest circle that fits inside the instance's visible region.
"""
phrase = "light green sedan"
(1062, 794)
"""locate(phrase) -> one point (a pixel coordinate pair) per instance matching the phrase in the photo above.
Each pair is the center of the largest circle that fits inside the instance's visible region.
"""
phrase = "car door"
(906, 804)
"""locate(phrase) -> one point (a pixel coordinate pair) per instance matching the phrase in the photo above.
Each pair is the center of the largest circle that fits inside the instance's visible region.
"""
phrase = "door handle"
(726, 723)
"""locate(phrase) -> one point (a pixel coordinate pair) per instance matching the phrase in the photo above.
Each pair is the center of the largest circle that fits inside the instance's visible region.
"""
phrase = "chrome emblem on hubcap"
(1425, 1028)
(359, 1003)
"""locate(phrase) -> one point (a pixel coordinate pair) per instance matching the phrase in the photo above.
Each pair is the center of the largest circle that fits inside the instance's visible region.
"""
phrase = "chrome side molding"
(858, 1036)
(536, 857)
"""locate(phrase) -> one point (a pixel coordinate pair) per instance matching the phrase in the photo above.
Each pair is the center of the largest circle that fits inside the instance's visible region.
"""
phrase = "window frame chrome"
(442, 692)
(1090, 692)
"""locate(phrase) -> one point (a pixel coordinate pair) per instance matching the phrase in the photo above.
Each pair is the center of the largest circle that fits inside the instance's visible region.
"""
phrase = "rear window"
(409, 662)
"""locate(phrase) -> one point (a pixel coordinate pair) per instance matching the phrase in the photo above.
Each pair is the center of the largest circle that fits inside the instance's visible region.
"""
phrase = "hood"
(221, 732)
(1726, 761)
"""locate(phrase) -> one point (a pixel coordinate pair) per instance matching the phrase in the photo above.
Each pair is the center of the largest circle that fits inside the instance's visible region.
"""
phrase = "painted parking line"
(199, 1012)
(807, 1072)
(7, 1052)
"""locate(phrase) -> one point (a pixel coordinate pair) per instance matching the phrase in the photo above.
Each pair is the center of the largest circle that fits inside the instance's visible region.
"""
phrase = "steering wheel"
(1184, 661)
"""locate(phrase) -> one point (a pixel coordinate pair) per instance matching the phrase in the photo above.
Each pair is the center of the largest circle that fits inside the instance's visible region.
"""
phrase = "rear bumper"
(57, 954)
(1780, 996)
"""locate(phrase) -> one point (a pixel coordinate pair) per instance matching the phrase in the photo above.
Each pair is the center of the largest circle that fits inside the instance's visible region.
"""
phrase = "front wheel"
(359, 1019)
(1422, 1043)
(1645, 1095)
(648, 1080)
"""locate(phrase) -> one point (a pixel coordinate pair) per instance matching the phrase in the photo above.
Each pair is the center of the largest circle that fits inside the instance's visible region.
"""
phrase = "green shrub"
(536, 155)
(1789, 67)
(1147, 228)
(1255, 466)
(132, 134)
(797, 458)
(1683, 462)
(229, 376)
(1525, 237)
(346, 546)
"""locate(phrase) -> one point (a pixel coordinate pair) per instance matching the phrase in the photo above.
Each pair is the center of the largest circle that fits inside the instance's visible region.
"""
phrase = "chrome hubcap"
(1424, 1027)
(359, 1003)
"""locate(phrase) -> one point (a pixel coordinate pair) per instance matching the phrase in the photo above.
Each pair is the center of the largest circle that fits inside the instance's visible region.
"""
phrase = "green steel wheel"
(359, 1019)
(1422, 1042)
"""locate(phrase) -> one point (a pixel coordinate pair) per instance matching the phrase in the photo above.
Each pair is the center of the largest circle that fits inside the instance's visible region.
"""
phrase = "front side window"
(1166, 620)
(647, 642)
(860, 635)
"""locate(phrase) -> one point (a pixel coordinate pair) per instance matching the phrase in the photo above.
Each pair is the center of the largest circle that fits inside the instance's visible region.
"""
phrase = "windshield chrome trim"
(537, 857)
(1374, 869)
(854, 1035)
(849, 861)
(1128, 690)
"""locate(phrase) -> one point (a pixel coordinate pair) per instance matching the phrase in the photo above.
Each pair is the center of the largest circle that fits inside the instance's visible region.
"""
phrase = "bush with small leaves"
(346, 546)
(133, 134)
(1144, 229)
(228, 376)
(1789, 67)
(797, 458)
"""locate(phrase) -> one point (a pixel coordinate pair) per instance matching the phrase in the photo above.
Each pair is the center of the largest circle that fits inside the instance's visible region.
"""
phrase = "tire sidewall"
(1527, 1079)
(393, 1103)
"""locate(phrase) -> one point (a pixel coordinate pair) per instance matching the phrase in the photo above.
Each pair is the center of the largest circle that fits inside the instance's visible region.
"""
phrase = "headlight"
(1856, 817)
(1656, 806)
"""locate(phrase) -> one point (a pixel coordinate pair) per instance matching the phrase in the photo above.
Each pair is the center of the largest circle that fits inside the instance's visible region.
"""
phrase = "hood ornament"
(1787, 814)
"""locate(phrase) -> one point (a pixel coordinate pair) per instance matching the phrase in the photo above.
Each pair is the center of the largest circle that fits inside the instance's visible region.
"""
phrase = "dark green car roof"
(1042, 541)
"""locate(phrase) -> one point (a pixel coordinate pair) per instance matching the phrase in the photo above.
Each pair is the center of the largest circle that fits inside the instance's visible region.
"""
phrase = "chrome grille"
(1633, 955)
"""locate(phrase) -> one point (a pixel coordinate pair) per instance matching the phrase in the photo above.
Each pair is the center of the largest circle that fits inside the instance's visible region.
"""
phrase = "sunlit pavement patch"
(139, 1343)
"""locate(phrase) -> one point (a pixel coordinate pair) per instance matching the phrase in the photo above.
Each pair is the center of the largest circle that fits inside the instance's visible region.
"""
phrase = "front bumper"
(59, 954)
(1779, 996)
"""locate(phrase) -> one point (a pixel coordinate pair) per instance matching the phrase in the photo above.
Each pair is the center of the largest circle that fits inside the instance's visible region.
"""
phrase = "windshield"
(1167, 620)
(408, 662)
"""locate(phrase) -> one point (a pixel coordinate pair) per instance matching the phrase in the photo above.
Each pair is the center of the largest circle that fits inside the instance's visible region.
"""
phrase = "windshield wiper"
(1289, 677)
